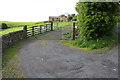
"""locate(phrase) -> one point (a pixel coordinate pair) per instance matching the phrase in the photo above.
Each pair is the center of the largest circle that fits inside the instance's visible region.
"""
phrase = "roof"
(54, 17)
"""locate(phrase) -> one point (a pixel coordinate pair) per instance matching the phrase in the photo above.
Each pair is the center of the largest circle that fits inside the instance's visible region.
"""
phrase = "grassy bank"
(10, 61)
(6, 31)
(91, 44)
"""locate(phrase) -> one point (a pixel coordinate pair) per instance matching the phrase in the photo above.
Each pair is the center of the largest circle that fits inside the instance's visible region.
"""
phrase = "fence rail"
(32, 30)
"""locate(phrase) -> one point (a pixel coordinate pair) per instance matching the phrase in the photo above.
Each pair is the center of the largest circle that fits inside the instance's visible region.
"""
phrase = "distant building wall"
(59, 19)
(64, 19)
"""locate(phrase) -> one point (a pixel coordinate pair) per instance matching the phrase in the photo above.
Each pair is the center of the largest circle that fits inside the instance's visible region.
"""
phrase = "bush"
(97, 44)
(4, 26)
(96, 19)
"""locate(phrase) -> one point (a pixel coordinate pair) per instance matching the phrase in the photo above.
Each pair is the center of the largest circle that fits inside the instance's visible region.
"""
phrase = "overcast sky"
(34, 10)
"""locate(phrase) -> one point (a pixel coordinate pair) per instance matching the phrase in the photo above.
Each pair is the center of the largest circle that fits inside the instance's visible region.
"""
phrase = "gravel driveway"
(47, 57)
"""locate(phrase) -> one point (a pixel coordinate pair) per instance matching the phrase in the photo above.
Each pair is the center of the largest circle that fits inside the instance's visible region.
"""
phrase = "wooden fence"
(32, 30)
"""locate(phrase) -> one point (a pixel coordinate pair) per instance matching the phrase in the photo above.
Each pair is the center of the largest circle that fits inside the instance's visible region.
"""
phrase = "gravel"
(47, 57)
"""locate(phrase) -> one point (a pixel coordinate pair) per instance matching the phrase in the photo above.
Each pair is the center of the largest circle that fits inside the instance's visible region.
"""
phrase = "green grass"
(93, 44)
(118, 23)
(11, 52)
(62, 24)
(10, 61)
(6, 31)
(68, 36)
(16, 26)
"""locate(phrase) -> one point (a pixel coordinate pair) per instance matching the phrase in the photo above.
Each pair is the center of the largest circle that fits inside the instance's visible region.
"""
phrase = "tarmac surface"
(47, 57)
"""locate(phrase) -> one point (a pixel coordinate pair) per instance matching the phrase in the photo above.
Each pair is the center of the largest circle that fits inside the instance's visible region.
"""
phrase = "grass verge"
(10, 61)
(93, 44)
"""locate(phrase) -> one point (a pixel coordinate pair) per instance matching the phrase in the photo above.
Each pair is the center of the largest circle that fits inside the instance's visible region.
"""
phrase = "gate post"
(25, 30)
(51, 26)
(74, 31)
(46, 27)
(40, 29)
(32, 30)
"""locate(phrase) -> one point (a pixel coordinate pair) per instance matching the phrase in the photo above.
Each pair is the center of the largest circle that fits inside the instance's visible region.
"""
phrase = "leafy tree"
(96, 19)
(69, 17)
(4, 26)
(63, 15)
(73, 15)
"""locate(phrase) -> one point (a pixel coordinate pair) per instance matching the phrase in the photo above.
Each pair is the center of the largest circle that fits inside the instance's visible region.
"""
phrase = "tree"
(96, 19)
(4, 26)
(73, 15)
(63, 15)
(69, 17)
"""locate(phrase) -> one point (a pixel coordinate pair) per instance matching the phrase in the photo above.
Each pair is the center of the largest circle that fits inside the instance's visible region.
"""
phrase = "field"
(19, 24)
(6, 31)
(16, 26)
(62, 24)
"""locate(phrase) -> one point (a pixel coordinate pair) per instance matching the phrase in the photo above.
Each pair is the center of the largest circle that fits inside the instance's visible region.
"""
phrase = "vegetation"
(96, 19)
(62, 24)
(11, 62)
(96, 22)
(6, 31)
(69, 35)
(62, 15)
(16, 26)
(4, 26)
(71, 17)
(95, 44)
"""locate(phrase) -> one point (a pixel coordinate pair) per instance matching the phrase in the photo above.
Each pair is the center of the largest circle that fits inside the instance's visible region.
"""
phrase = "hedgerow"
(96, 21)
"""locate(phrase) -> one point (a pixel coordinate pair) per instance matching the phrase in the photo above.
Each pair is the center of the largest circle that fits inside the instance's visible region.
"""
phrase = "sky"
(34, 10)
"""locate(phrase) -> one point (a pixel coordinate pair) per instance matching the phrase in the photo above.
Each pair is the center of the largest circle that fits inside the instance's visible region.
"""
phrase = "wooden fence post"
(25, 30)
(40, 29)
(51, 26)
(32, 30)
(74, 31)
(46, 27)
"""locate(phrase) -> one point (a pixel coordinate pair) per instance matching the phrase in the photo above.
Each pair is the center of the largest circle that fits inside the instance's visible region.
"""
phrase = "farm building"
(58, 19)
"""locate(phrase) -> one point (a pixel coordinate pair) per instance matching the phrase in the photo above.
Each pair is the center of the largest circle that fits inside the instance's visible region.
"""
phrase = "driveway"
(47, 57)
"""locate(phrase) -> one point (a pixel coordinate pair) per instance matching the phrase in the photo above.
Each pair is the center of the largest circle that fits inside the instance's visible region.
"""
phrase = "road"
(47, 57)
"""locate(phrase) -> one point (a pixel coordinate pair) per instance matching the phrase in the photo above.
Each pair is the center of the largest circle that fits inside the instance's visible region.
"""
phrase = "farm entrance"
(51, 31)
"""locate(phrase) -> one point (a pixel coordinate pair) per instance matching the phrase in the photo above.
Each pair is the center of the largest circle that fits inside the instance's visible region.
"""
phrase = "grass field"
(16, 26)
(62, 24)
(6, 31)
